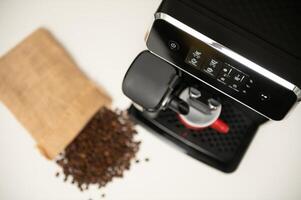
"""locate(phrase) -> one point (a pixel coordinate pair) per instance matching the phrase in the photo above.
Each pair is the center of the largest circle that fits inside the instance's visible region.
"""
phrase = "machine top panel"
(221, 68)
(269, 38)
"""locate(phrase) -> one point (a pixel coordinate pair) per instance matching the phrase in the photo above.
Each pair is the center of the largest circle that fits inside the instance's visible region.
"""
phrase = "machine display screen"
(222, 72)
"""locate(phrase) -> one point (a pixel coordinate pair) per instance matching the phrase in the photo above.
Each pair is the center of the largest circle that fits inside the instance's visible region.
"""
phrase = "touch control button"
(212, 67)
(174, 46)
(225, 75)
(264, 97)
(195, 58)
(238, 77)
(249, 83)
(234, 86)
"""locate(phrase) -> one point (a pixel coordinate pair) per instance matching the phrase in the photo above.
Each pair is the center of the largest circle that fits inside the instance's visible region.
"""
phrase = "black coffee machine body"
(210, 77)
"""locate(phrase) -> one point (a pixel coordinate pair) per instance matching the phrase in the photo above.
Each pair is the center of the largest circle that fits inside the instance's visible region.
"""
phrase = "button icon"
(239, 78)
(195, 58)
(174, 46)
(225, 75)
(264, 97)
(193, 62)
(213, 63)
(209, 70)
(197, 54)
(212, 67)
(234, 87)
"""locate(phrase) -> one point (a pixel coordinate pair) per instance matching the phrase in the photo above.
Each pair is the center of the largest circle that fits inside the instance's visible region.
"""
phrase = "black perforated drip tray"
(223, 152)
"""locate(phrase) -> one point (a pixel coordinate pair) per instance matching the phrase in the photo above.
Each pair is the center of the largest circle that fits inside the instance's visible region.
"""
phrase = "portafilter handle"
(179, 106)
(150, 83)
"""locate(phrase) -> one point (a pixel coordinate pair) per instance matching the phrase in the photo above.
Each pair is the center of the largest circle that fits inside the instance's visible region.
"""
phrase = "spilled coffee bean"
(103, 150)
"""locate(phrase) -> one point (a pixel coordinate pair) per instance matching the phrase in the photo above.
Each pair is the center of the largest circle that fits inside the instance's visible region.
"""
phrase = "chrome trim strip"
(228, 52)
(138, 107)
(297, 91)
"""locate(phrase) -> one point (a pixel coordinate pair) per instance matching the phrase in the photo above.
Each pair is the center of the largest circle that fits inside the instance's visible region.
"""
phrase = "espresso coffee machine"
(214, 71)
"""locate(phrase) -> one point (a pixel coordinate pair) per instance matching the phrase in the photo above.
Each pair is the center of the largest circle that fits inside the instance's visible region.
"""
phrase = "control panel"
(225, 73)
(216, 70)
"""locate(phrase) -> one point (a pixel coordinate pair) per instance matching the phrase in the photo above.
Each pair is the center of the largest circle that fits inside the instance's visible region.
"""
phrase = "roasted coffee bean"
(103, 150)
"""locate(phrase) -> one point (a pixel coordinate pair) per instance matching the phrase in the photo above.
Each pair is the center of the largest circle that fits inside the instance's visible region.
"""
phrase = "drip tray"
(223, 152)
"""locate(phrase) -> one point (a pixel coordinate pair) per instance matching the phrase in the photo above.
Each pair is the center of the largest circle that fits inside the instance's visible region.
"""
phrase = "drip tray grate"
(222, 145)
(221, 151)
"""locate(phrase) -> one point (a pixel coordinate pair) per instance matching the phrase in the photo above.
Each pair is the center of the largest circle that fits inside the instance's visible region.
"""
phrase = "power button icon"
(173, 45)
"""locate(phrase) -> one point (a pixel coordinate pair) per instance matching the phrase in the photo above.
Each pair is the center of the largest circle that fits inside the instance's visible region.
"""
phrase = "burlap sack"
(47, 93)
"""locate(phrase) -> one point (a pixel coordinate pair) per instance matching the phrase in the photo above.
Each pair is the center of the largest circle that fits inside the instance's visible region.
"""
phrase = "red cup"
(218, 125)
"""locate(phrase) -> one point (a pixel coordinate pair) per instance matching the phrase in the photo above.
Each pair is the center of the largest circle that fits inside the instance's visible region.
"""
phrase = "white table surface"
(104, 36)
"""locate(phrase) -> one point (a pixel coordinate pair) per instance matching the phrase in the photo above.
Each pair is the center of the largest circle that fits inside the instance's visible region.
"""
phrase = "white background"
(104, 36)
